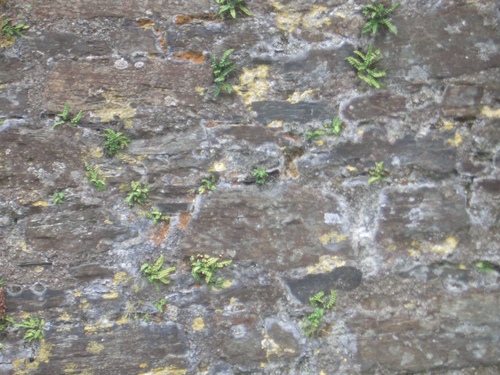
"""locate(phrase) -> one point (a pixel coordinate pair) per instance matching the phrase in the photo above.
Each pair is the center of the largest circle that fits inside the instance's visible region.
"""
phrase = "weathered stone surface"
(374, 105)
(413, 259)
(264, 224)
(426, 219)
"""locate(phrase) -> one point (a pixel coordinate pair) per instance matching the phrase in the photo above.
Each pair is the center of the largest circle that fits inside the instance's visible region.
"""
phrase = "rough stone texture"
(414, 259)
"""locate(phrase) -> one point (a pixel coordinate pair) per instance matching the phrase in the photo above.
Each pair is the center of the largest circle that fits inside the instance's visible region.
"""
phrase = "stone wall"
(414, 259)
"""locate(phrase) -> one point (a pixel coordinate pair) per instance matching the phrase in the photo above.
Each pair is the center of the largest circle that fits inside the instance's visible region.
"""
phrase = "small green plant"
(485, 266)
(65, 119)
(364, 66)
(314, 135)
(205, 266)
(208, 184)
(378, 174)
(5, 322)
(221, 70)
(33, 326)
(155, 272)
(232, 6)
(58, 198)
(137, 193)
(160, 303)
(93, 177)
(156, 216)
(115, 142)
(260, 175)
(335, 127)
(377, 15)
(9, 30)
(320, 304)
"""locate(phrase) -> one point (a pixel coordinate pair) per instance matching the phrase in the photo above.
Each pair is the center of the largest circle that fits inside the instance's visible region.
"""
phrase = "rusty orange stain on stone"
(183, 19)
(145, 23)
(159, 235)
(184, 219)
(194, 56)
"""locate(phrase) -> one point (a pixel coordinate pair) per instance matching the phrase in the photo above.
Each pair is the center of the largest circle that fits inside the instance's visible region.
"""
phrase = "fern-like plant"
(156, 273)
(58, 198)
(221, 70)
(137, 193)
(335, 127)
(159, 304)
(156, 216)
(65, 118)
(231, 6)
(365, 66)
(9, 30)
(115, 142)
(320, 303)
(378, 174)
(377, 17)
(208, 184)
(314, 135)
(33, 326)
(260, 175)
(205, 266)
(93, 177)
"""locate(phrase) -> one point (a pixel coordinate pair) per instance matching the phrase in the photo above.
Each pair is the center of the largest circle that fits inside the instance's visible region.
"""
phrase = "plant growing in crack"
(365, 66)
(221, 70)
(156, 273)
(138, 193)
(204, 266)
(58, 198)
(378, 174)
(260, 175)
(115, 142)
(10, 30)
(64, 117)
(208, 184)
(377, 15)
(335, 127)
(156, 216)
(33, 326)
(314, 135)
(231, 6)
(159, 304)
(320, 303)
(93, 177)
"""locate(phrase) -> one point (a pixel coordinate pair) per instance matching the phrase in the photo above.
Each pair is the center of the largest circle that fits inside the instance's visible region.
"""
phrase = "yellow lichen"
(333, 237)
(198, 324)
(298, 96)
(350, 168)
(169, 370)
(326, 264)
(447, 247)
(218, 167)
(115, 107)
(253, 85)
(84, 304)
(123, 320)
(23, 366)
(72, 368)
(94, 347)
(111, 295)
(447, 125)
(40, 204)
(95, 153)
(65, 317)
(456, 141)
(490, 113)
(275, 124)
(100, 326)
(143, 365)
(121, 278)
(200, 90)
(290, 19)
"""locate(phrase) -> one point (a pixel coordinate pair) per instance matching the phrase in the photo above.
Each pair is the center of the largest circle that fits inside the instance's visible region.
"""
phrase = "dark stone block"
(269, 111)
(341, 278)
